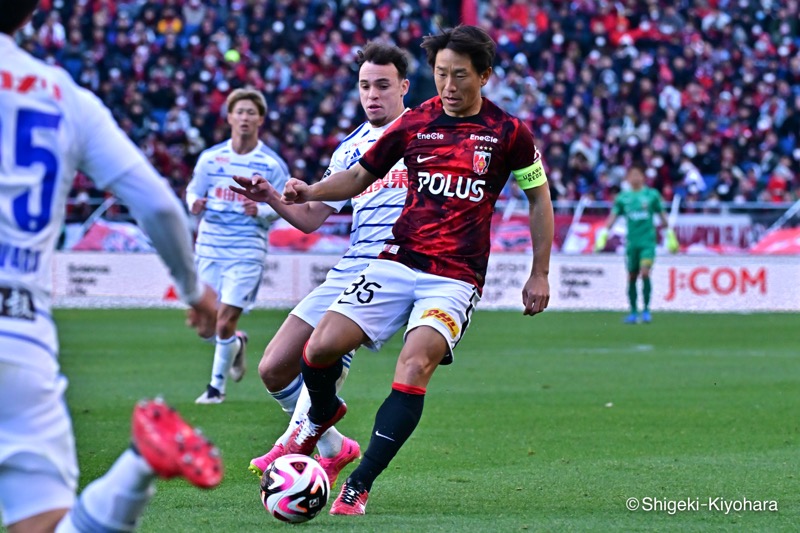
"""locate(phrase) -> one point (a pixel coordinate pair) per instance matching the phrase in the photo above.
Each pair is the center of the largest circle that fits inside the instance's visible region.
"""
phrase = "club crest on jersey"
(480, 161)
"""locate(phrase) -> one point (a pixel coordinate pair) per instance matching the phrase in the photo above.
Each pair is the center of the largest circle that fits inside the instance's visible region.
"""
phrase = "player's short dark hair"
(14, 13)
(384, 54)
(468, 40)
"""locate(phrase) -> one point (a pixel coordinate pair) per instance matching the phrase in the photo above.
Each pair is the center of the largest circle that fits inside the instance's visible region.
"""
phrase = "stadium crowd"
(706, 93)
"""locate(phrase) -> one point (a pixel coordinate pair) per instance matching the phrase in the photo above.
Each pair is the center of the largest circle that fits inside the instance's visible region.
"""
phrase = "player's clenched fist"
(295, 192)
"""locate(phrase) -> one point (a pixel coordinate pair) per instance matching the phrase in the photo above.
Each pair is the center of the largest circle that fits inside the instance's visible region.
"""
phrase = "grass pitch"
(544, 424)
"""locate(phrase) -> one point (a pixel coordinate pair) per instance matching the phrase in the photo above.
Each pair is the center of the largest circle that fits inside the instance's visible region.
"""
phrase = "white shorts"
(38, 463)
(387, 295)
(236, 282)
(316, 303)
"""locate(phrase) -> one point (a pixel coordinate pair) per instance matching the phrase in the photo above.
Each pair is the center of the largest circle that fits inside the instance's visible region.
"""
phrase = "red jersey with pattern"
(456, 170)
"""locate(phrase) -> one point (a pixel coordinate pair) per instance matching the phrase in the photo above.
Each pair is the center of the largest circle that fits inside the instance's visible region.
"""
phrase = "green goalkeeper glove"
(672, 241)
(600, 239)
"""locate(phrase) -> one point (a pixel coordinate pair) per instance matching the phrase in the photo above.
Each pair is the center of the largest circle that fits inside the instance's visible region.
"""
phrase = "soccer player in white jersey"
(49, 127)
(231, 243)
(382, 84)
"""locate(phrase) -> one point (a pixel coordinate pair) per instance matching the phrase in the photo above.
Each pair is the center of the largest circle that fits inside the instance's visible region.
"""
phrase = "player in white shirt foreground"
(231, 245)
(49, 127)
(382, 84)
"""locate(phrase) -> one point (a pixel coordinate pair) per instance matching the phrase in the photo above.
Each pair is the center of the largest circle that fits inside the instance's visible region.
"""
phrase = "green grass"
(543, 424)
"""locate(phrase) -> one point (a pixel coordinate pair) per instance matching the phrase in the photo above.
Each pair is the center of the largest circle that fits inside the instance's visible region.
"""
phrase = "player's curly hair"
(14, 13)
(468, 40)
(381, 53)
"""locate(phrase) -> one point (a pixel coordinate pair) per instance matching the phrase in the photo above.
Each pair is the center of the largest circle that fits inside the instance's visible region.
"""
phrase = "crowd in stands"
(705, 93)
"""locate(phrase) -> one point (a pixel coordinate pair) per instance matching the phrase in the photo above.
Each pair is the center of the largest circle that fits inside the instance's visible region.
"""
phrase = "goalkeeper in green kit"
(638, 205)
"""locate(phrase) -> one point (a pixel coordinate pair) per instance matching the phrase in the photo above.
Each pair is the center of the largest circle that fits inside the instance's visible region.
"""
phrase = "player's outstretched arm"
(536, 292)
(306, 217)
(257, 189)
(340, 186)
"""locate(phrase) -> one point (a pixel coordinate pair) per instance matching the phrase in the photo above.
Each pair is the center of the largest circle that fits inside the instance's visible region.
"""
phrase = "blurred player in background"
(49, 127)
(231, 245)
(382, 85)
(638, 205)
(460, 150)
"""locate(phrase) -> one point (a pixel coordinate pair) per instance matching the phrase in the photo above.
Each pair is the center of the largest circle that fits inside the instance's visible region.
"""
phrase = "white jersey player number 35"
(364, 292)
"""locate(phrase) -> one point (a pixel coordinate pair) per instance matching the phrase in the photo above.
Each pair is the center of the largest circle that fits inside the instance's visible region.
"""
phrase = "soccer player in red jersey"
(460, 150)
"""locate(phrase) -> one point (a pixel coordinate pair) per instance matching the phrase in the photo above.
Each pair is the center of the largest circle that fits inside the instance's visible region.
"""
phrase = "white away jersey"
(49, 127)
(375, 209)
(226, 233)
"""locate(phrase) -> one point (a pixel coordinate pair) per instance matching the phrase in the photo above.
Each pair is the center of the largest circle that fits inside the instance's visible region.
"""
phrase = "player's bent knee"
(419, 364)
(277, 377)
(324, 349)
(265, 373)
(334, 337)
(320, 351)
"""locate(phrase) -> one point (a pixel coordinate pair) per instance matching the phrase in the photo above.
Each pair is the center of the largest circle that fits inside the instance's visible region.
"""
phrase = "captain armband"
(530, 177)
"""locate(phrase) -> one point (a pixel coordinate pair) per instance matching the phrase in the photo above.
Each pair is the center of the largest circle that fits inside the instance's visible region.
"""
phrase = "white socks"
(223, 359)
(287, 398)
(115, 501)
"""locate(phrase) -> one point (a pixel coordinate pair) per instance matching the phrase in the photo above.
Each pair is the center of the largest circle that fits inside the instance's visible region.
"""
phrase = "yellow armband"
(530, 177)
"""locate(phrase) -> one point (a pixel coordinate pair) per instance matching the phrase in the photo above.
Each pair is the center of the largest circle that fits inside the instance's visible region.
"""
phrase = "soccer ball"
(294, 488)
